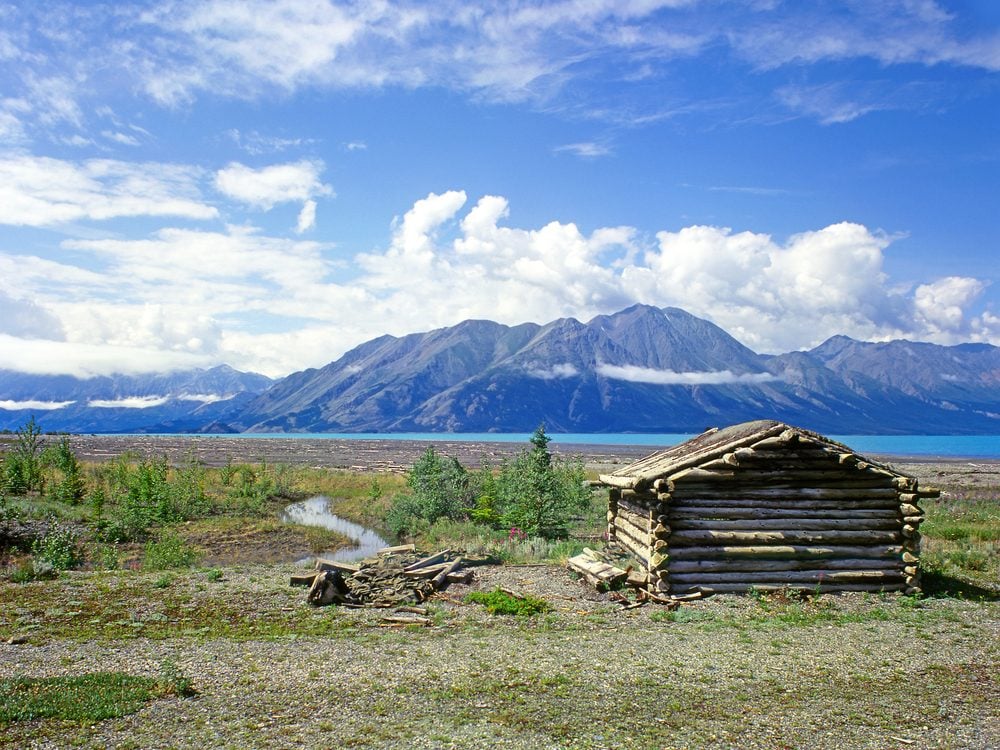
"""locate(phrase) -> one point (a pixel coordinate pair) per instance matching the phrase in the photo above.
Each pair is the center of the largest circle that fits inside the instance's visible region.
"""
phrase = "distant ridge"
(643, 369)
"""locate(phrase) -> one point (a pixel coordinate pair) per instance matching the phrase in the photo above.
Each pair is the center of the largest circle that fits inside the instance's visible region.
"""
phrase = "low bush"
(59, 547)
(168, 551)
(499, 602)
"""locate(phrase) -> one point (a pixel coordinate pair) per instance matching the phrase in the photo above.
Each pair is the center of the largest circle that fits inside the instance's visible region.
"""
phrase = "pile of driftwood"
(394, 577)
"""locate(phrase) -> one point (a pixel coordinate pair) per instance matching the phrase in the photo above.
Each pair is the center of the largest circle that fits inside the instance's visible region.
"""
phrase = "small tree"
(69, 487)
(540, 495)
(22, 467)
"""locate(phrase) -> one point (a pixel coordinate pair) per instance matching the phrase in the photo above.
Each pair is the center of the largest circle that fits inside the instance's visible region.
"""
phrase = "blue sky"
(269, 184)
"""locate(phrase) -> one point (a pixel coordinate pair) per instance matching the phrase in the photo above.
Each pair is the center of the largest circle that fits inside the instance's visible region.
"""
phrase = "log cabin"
(763, 505)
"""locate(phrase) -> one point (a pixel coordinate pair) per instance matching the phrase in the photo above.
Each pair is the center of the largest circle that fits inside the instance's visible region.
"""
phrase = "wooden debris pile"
(394, 577)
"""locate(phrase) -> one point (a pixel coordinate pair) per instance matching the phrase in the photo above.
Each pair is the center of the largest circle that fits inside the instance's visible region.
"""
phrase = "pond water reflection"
(316, 512)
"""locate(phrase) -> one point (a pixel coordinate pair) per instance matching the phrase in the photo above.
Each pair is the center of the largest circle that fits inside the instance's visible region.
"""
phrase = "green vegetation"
(499, 602)
(961, 545)
(533, 495)
(87, 697)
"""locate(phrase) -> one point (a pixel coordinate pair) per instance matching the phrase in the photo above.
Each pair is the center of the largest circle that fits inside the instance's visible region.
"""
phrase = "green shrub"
(168, 551)
(439, 487)
(59, 547)
(499, 602)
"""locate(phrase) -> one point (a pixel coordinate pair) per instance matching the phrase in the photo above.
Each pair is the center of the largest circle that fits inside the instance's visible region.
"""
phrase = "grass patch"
(499, 602)
(84, 698)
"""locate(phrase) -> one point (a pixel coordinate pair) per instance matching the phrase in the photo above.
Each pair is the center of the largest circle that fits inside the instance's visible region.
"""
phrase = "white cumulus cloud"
(278, 183)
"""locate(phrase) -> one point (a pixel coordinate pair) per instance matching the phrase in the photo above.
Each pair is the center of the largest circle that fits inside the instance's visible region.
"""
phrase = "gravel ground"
(837, 671)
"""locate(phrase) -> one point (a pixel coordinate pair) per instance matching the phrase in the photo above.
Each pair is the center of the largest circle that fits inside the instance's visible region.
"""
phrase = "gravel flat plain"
(847, 671)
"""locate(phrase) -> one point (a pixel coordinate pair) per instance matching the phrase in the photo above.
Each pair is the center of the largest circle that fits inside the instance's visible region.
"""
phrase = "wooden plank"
(323, 563)
(787, 524)
(302, 579)
(430, 560)
(708, 537)
(791, 551)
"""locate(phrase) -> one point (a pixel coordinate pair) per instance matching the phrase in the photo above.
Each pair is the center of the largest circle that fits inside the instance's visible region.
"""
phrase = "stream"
(316, 512)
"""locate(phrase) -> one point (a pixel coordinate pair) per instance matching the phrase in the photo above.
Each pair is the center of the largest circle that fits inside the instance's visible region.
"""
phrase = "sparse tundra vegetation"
(159, 588)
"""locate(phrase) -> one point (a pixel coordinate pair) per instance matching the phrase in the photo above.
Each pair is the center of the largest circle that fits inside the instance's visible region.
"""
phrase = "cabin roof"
(715, 443)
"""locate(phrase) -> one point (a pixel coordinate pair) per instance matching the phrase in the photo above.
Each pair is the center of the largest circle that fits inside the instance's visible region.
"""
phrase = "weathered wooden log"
(909, 509)
(661, 531)
(911, 570)
(618, 482)
(705, 536)
(822, 588)
(749, 564)
(909, 557)
(913, 520)
(460, 576)
(792, 492)
(638, 505)
(427, 561)
(663, 485)
(909, 530)
(905, 484)
(636, 498)
(779, 478)
(698, 474)
(785, 502)
(324, 564)
(780, 552)
(641, 522)
(441, 578)
(639, 550)
(736, 513)
(635, 535)
(788, 576)
(787, 524)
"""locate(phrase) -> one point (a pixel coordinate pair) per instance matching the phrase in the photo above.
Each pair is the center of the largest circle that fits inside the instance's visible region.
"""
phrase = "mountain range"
(644, 369)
